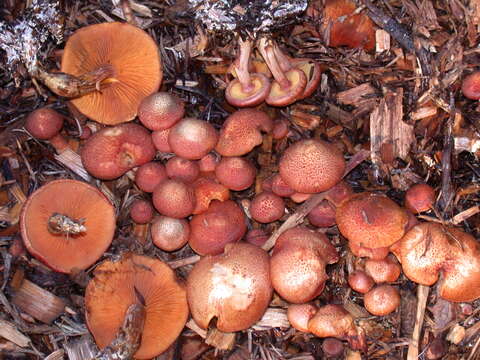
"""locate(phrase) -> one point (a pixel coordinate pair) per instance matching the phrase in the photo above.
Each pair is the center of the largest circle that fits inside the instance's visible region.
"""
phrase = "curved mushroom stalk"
(248, 89)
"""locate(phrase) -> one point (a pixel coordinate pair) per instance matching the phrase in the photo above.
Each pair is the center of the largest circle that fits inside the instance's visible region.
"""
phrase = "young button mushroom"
(111, 152)
(382, 300)
(267, 207)
(169, 234)
(471, 86)
(174, 198)
(160, 140)
(45, 124)
(419, 198)
(67, 224)
(192, 138)
(233, 287)
(298, 264)
(149, 175)
(360, 281)
(136, 279)
(241, 132)
(322, 215)
(235, 173)
(384, 270)
(134, 69)
(141, 211)
(161, 111)
(248, 89)
(182, 169)
(311, 166)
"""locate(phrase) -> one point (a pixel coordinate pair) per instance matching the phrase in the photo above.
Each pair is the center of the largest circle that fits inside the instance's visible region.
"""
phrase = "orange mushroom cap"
(169, 234)
(360, 281)
(174, 198)
(267, 207)
(300, 314)
(310, 166)
(362, 251)
(136, 63)
(236, 173)
(419, 198)
(192, 138)
(382, 300)
(471, 86)
(160, 111)
(371, 220)
(149, 175)
(234, 287)
(385, 270)
(44, 123)
(67, 224)
(208, 189)
(114, 288)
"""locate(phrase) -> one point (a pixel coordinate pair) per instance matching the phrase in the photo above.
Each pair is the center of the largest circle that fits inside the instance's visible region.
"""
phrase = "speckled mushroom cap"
(234, 287)
(136, 63)
(114, 288)
(311, 166)
(371, 220)
(429, 249)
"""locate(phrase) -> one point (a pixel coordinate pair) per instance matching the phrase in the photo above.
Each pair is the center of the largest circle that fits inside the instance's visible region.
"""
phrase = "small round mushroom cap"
(300, 314)
(371, 220)
(149, 175)
(333, 347)
(221, 224)
(161, 111)
(233, 287)
(280, 129)
(182, 169)
(208, 163)
(174, 198)
(322, 215)
(141, 211)
(311, 166)
(206, 190)
(111, 152)
(419, 198)
(280, 187)
(136, 63)
(385, 270)
(169, 234)
(340, 193)
(192, 138)
(332, 321)
(67, 224)
(44, 123)
(241, 132)
(471, 86)
(235, 173)
(267, 207)
(382, 300)
(160, 140)
(115, 287)
(298, 264)
(360, 281)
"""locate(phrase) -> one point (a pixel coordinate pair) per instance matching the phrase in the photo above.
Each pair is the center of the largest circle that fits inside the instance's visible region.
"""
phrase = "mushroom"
(160, 140)
(136, 279)
(384, 270)
(382, 300)
(67, 224)
(141, 211)
(222, 223)
(149, 175)
(280, 187)
(45, 124)
(111, 152)
(192, 138)
(235, 173)
(419, 198)
(208, 189)
(332, 347)
(182, 169)
(174, 198)
(471, 86)
(169, 234)
(248, 89)
(208, 163)
(298, 264)
(160, 111)
(128, 55)
(299, 315)
(233, 287)
(360, 281)
(311, 166)
(241, 132)
(267, 207)
(257, 237)
(280, 129)
(322, 215)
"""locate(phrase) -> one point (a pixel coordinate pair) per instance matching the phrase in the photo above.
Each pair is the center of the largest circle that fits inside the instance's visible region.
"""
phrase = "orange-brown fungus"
(136, 279)
(192, 138)
(360, 281)
(382, 300)
(67, 224)
(234, 287)
(371, 220)
(44, 123)
(208, 189)
(471, 86)
(419, 198)
(385, 270)
(160, 111)
(134, 58)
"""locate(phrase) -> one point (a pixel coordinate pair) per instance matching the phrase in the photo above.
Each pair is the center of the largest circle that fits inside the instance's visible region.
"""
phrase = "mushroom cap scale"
(136, 62)
(78, 201)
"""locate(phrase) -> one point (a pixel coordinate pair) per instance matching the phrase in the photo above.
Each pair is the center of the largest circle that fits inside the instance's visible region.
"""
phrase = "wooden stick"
(422, 296)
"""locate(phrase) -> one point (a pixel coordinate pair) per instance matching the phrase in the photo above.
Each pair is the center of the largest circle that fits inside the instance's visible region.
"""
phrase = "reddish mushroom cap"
(312, 71)
(160, 140)
(149, 175)
(267, 207)
(169, 234)
(192, 138)
(419, 198)
(222, 223)
(174, 198)
(160, 111)
(362, 251)
(280, 129)
(67, 224)
(44, 123)
(311, 166)
(300, 314)
(371, 220)
(382, 300)
(111, 152)
(235, 173)
(182, 169)
(385, 270)
(141, 211)
(206, 190)
(360, 281)
(208, 163)
(471, 86)
(234, 287)
(322, 215)
(241, 132)
(256, 237)
(280, 187)
(298, 264)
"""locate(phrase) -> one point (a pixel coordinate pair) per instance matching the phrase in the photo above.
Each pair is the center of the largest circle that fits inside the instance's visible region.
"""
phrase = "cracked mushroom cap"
(136, 63)
(311, 166)
(233, 287)
(67, 224)
(371, 220)
(136, 279)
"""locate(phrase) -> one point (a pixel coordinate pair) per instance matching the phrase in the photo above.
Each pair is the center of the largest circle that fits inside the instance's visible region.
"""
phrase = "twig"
(182, 262)
(447, 193)
(422, 296)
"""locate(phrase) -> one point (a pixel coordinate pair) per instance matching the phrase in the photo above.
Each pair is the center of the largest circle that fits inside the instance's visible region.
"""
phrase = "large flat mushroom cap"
(113, 290)
(79, 201)
(136, 63)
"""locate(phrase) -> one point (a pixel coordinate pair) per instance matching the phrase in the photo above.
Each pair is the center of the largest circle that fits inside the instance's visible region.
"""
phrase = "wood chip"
(382, 41)
(355, 96)
(220, 340)
(10, 332)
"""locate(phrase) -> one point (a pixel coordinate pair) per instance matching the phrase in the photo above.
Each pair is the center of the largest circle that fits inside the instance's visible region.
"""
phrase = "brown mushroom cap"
(141, 211)
(222, 223)
(174, 198)
(160, 111)
(149, 175)
(280, 187)
(234, 287)
(160, 140)
(192, 138)
(471, 86)
(267, 207)
(111, 152)
(61, 247)
(382, 300)
(385, 270)
(257, 237)
(44, 123)
(362, 251)
(360, 281)
(322, 215)
(280, 129)
(419, 198)
(311, 166)
(206, 190)
(182, 169)
(300, 314)
(235, 173)
(113, 290)
(371, 220)
(241, 132)
(136, 63)
(298, 264)
(169, 234)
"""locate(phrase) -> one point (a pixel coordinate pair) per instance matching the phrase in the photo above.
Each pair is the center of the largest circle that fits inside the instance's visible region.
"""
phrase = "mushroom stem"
(71, 86)
(242, 69)
(62, 224)
(282, 59)
(268, 54)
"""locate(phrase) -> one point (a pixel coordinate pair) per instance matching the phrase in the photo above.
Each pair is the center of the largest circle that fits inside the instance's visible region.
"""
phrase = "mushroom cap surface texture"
(114, 288)
(234, 287)
(136, 63)
(80, 202)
